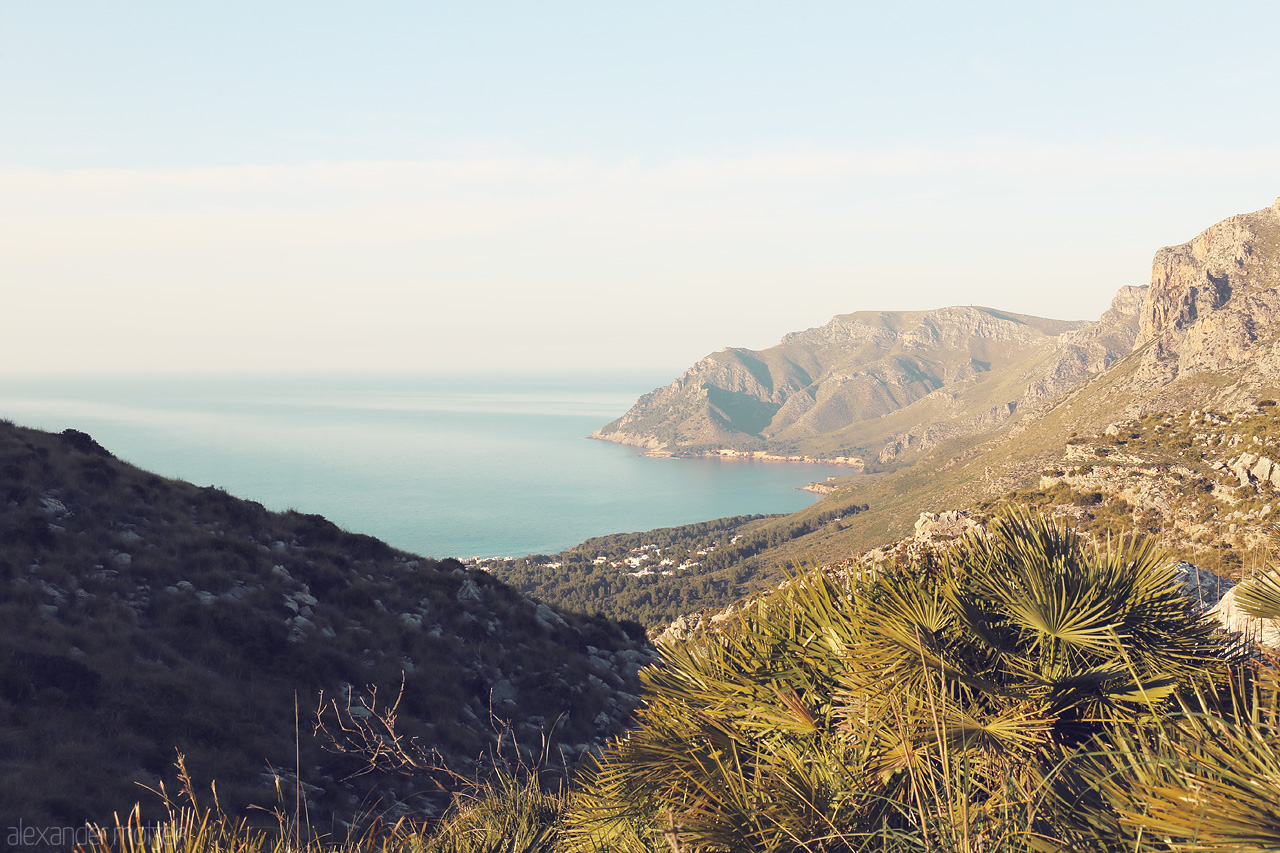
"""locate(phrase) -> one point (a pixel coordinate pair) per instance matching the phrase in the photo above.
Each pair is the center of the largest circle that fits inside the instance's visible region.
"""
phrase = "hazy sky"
(419, 185)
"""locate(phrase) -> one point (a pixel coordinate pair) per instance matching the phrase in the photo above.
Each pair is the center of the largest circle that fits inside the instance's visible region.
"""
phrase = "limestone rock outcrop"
(1213, 308)
(1250, 629)
(1214, 597)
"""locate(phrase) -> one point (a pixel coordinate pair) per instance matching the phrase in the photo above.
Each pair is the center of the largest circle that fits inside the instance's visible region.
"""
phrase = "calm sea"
(439, 466)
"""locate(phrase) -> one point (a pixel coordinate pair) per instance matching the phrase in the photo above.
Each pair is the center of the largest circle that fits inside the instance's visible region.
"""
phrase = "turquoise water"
(439, 466)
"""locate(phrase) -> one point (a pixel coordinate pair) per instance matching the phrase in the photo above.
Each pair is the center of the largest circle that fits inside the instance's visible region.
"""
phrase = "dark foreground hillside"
(142, 617)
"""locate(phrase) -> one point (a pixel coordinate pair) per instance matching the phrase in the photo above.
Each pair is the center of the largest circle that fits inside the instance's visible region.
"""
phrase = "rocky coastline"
(817, 488)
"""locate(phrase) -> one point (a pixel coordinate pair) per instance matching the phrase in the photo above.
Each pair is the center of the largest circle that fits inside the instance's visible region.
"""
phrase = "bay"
(458, 465)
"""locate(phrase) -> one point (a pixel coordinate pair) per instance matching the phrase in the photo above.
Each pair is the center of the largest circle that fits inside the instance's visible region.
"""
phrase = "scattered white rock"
(469, 591)
(1203, 587)
(1264, 632)
(681, 629)
(1242, 465)
(53, 508)
(548, 617)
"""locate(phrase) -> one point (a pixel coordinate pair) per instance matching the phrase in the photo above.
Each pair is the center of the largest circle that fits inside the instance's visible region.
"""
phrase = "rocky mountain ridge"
(882, 386)
(1209, 335)
(1214, 306)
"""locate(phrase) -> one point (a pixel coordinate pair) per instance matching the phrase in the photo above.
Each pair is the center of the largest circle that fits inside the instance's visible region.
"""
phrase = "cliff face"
(881, 384)
(1075, 356)
(889, 385)
(1214, 304)
(1208, 334)
(727, 397)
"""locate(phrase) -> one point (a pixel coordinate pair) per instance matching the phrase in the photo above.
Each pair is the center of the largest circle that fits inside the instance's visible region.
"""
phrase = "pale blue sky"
(425, 185)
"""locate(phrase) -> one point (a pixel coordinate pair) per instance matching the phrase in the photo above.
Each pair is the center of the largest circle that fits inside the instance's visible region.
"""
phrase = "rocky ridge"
(1214, 302)
(1205, 482)
(883, 385)
(1208, 337)
(890, 386)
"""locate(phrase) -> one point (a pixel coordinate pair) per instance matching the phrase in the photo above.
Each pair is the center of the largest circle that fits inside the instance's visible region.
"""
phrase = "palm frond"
(1260, 595)
(1210, 781)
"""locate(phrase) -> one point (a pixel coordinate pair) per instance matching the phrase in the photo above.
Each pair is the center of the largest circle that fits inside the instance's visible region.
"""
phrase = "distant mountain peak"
(875, 384)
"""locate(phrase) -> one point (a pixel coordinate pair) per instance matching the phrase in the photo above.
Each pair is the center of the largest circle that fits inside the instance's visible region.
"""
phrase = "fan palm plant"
(926, 708)
(1260, 595)
(1210, 778)
(1027, 644)
(736, 747)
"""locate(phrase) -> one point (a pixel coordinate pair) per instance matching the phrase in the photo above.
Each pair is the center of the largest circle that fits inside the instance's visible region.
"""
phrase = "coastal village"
(856, 462)
(644, 560)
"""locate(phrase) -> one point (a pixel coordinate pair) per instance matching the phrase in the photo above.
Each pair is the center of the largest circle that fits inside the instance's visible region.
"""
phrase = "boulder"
(548, 617)
(1242, 466)
(53, 508)
(469, 591)
(936, 527)
(1203, 587)
(1262, 632)
(1214, 597)
(503, 692)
